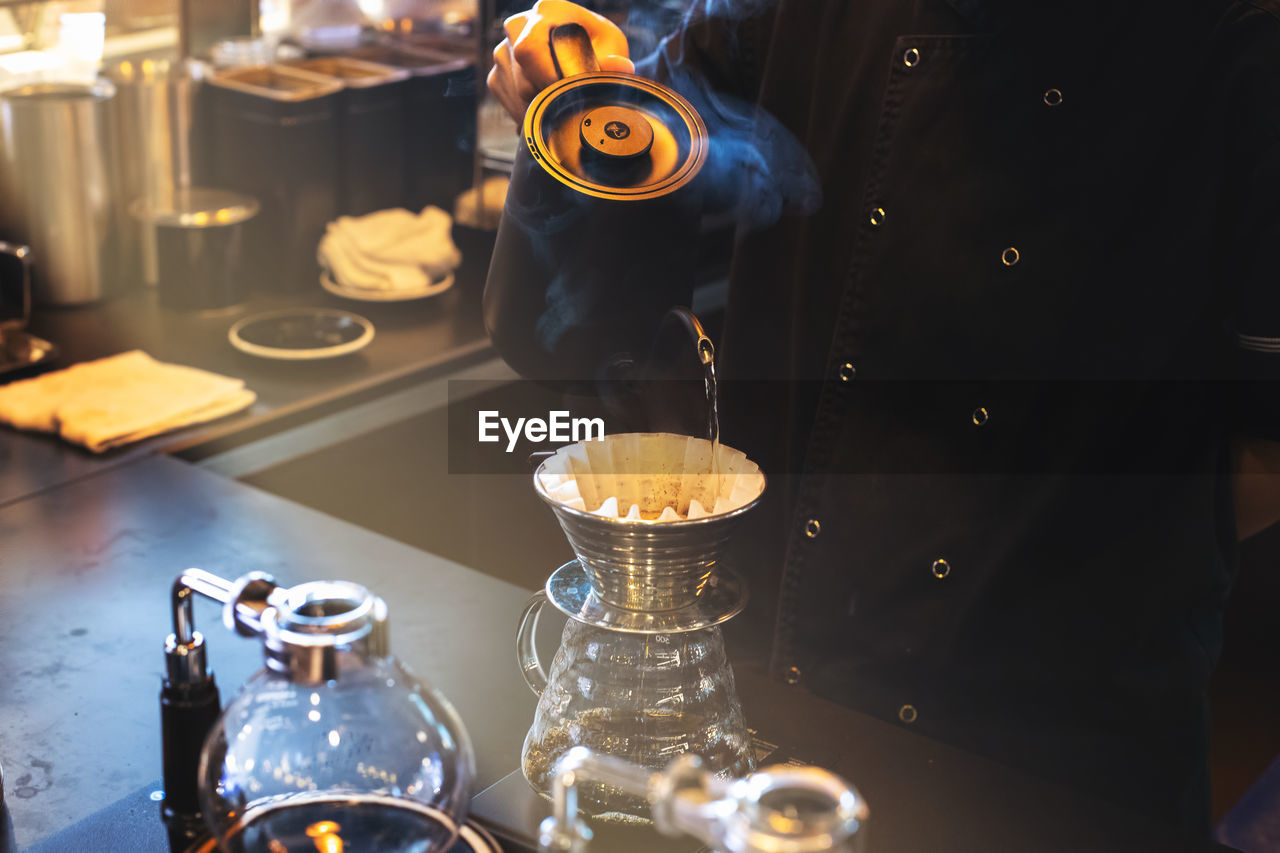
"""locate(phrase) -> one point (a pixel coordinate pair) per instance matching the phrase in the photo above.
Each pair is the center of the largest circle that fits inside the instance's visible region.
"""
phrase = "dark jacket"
(1006, 280)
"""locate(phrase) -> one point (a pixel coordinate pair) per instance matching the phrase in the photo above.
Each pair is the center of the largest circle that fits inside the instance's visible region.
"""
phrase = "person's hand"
(522, 63)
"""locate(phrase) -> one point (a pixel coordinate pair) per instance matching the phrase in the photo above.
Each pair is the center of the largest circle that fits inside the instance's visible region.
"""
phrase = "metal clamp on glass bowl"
(332, 736)
(781, 809)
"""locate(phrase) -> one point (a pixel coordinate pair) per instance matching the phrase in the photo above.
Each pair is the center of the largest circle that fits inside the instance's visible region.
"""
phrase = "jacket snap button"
(941, 568)
(907, 713)
(792, 675)
(1009, 256)
(846, 371)
(812, 528)
(911, 58)
(1053, 97)
(980, 416)
(877, 217)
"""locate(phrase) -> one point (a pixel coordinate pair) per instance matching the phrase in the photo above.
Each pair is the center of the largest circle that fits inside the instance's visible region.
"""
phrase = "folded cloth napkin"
(390, 250)
(120, 399)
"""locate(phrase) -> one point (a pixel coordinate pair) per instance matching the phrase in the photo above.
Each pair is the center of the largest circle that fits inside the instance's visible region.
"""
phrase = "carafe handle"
(526, 644)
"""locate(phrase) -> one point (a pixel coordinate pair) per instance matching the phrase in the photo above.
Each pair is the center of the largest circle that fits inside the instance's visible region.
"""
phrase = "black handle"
(571, 51)
(187, 713)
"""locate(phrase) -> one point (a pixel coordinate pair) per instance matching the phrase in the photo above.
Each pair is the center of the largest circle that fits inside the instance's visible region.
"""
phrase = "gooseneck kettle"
(599, 229)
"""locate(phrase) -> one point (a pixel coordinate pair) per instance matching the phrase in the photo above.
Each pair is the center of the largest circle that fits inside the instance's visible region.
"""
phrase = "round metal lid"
(617, 133)
(569, 591)
(616, 136)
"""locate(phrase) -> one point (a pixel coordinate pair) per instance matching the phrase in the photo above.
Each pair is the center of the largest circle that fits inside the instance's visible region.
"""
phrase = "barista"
(995, 371)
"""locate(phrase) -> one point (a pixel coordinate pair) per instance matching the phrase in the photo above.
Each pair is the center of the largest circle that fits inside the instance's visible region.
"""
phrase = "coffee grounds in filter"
(650, 477)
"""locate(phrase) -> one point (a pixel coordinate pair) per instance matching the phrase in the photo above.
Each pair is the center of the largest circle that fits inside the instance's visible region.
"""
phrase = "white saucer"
(369, 294)
(301, 334)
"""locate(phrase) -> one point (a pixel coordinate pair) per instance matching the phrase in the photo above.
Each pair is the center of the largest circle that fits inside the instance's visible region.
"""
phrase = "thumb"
(616, 63)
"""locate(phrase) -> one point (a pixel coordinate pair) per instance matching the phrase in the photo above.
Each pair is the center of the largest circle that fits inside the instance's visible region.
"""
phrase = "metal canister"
(440, 119)
(275, 138)
(371, 132)
(54, 158)
(200, 246)
(598, 232)
(159, 146)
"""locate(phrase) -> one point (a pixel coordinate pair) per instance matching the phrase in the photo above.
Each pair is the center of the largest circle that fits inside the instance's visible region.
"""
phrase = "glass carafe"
(333, 746)
(643, 697)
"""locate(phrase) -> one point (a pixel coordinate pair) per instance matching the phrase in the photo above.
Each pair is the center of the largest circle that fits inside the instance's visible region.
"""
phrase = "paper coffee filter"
(650, 477)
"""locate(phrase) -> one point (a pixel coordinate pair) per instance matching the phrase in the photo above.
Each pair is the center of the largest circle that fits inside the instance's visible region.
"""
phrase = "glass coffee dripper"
(641, 672)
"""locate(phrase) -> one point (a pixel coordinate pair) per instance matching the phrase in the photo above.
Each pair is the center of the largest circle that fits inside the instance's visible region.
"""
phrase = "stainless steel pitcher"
(157, 152)
(54, 156)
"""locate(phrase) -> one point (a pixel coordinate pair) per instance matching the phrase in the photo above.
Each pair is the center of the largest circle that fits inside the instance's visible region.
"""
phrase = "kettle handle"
(571, 50)
(526, 648)
(23, 254)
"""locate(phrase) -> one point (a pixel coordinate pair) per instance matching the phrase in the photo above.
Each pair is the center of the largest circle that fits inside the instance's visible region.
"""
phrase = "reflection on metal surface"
(151, 120)
(720, 598)
(20, 351)
(646, 567)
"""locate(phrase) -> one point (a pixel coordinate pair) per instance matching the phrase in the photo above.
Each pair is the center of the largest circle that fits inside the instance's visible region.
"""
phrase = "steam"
(732, 9)
(756, 169)
(754, 166)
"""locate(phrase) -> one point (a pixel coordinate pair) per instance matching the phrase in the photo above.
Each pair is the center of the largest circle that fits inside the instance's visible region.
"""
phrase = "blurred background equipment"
(439, 111)
(200, 250)
(55, 156)
(328, 25)
(370, 125)
(152, 121)
(19, 349)
(203, 23)
(275, 136)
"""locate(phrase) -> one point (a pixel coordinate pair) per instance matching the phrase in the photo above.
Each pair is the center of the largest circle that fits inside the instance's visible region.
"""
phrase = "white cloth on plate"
(390, 250)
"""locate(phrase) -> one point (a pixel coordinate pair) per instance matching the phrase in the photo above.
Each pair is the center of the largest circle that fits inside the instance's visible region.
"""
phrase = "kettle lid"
(616, 136)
